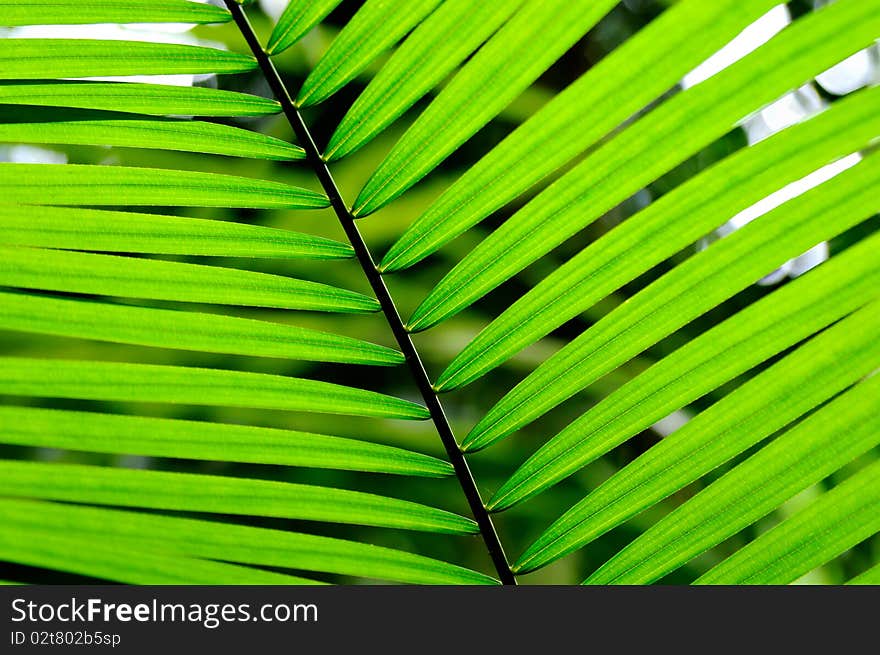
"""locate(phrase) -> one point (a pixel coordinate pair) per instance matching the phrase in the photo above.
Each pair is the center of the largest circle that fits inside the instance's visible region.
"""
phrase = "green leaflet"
(869, 577)
(803, 456)
(831, 525)
(298, 18)
(76, 228)
(221, 495)
(30, 59)
(664, 228)
(236, 543)
(434, 48)
(109, 559)
(377, 26)
(535, 37)
(166, 328)
(824, 366)
(110, 275)
(79, 184)
(91, 380)
(68, 12)
(189, 136)
(135, 97)
(614, 89)
(758, 332)
(696, 286)
(651, 147)
(160, 437)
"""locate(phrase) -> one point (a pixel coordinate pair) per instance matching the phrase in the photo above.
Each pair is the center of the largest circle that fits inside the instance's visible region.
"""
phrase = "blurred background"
(519, 526)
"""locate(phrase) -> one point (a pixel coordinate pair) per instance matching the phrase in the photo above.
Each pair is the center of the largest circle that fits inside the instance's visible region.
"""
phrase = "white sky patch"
(669, 424)
(273, 8)
(24, 154)
(750, 39)
(853, 73)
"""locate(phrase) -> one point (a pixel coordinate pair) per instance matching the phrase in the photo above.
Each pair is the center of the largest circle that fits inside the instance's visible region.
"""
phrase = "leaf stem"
(417, 368)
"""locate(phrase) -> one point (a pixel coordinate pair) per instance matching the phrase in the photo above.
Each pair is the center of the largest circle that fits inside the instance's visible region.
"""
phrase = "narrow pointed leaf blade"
(221, 495)
(606, 95)
(110, 275)
(435, 47)
(238, 543)
(675, 130)
(377, 26)
(697, 285)
(53, 127)
(117, 561)
(92, 380)
(200, 332)
(29, 59)
(826, 365)
(70, 12)
(138, 98)
(76, 228)
(538, 34)
(831, 525)
(666, 227)
(197, 440)
(760, 331)
(820, 445)
(297, 19)
(84, 184)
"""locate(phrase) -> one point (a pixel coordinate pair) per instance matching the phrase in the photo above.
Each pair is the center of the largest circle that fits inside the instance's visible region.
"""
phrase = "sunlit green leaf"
(652, 146)
(56, 378)
(77, 184)
(830, 362)
(699, 284)
(164, 328)
(110, 275)
(816, 448)
(666, 227)
(76, 228)
(160, 99)
(537, 35)
(236, 543)
(30, 59)
(437, 46)
(744, 340)
(298, 18)
(377, 26)
(611, 91)
(158, 437)
(109, 559)
(221, 495)
(831, 525)
(191, 136)
(66, 12)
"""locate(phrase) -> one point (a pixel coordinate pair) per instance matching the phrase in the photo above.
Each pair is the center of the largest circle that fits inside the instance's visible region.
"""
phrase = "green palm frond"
(187, 293)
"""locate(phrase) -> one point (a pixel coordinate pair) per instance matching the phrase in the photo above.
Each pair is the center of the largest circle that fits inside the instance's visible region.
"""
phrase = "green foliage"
(164, 372)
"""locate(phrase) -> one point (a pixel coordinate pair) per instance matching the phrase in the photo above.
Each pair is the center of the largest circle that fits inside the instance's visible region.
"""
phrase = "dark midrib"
(417, 368)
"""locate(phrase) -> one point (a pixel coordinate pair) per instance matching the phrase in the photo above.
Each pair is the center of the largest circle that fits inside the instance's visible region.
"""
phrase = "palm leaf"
(575, 119)
(236, 543)
(675, 130)
(817, 447)
(28, 59)
(108, 362)
(835, 522)
(137, 98)
(53, 12)
(747, 339)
